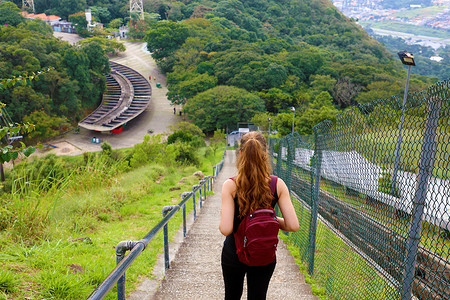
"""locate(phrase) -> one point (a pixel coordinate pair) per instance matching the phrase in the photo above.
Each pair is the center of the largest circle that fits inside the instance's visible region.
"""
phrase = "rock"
(84, 239)
(174, 188)
(76, 268)
(199, 174)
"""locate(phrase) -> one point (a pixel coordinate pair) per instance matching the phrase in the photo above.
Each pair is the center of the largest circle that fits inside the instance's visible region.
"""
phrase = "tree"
(217, 140)
(66, 7)
(182, 91)
(188, 127)
(345, 91)
(79, 19)
(46, 126)
(116, 23)
(10, 14)
(276, 100)
(222, 106)
(164, 37)
(9, 152)
(379, 90)
(109, 46)
(98, 61)
(102, 13)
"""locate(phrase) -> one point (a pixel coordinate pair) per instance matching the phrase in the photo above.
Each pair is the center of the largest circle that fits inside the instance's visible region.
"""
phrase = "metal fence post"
(279, 159)
(165, 210)
(194, 204)
(315, 201)
(194, 187)
(184, 213)
(427, 156)
(121, 248)
(200, 192)
(290, 161)
(399, 138)
(204, 187)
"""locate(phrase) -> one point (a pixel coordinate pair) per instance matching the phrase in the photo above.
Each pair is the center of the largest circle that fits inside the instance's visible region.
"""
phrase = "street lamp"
(268, 139)
(408, 60)
(293, 118)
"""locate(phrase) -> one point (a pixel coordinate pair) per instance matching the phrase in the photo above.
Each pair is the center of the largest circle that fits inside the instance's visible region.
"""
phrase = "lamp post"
(408, 60)
(268, 139)
(293, 118)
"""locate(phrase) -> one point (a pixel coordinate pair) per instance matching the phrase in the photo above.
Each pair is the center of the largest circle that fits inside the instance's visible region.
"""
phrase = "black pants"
(257, 281)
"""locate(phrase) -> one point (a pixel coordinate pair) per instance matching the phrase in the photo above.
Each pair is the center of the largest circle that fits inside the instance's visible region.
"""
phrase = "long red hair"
(252, 181)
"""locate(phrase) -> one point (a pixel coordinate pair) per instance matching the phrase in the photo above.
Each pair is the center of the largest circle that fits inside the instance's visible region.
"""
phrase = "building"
(54, 21)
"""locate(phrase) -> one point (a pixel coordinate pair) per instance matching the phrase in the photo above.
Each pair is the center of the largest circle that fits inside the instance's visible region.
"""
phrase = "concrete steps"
(195, 272)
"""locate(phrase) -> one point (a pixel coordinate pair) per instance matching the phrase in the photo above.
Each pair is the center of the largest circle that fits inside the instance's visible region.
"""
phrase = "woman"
(248, 191)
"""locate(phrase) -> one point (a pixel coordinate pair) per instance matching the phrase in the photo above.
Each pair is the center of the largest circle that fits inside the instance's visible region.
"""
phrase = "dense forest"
(304, 54)
(260, 56)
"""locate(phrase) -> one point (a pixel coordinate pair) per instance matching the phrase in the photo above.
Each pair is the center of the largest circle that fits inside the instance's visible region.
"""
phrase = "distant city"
(433, 14)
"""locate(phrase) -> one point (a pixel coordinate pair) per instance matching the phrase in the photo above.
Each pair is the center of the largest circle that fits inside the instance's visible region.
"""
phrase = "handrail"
(136, 247)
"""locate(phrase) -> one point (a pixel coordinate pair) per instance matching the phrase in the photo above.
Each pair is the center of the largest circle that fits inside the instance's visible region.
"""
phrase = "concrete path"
(195, 272)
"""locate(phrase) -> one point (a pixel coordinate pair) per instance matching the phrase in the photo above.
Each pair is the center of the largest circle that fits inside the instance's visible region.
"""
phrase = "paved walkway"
(195, 272)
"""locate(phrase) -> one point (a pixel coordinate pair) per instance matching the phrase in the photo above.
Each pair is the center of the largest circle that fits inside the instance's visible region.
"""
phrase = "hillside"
(302, 54)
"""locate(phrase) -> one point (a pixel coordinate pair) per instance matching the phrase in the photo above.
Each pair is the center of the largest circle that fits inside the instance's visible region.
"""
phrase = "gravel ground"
(195, 271)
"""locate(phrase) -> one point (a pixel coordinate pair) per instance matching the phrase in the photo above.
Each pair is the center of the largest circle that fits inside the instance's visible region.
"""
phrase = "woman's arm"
(227, 212)
(289, 222)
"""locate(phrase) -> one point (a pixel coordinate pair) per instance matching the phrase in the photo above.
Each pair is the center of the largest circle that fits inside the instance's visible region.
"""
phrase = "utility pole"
(136, 6)
(28, 3)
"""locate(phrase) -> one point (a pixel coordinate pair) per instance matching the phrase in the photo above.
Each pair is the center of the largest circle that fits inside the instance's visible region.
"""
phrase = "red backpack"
(257, 235)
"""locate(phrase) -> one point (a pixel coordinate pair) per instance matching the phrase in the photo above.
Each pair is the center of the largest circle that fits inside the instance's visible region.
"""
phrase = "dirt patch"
(58, 148)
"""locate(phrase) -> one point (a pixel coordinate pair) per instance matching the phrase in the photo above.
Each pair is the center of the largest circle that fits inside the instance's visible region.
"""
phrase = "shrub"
(182, 153)
(150, 150)
(106, 149)
(179, 135)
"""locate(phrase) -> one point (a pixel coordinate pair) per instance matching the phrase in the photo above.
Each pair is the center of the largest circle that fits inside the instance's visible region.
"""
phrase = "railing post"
(200, 192)
(184, 213)
(165, 210)
(121, 248)
(427, 156)
(194, 204)
(195, 187)
(205, 181)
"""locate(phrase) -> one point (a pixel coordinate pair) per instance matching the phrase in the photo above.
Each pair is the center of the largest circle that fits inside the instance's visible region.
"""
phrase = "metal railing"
(136, 247)
(365, 233)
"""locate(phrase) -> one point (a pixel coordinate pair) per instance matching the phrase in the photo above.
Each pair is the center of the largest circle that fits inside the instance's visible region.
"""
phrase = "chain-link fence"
(375, 223)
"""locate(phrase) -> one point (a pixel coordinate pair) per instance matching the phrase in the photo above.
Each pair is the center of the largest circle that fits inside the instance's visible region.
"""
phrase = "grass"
(339, 272)
(425, 12)
(67, 250)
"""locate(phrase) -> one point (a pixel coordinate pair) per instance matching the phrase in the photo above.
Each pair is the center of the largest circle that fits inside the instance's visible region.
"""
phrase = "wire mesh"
(382, 209)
